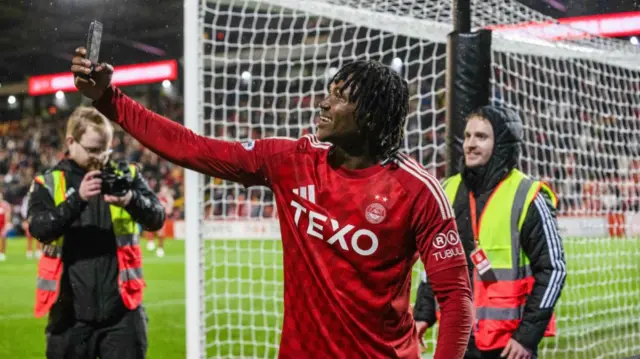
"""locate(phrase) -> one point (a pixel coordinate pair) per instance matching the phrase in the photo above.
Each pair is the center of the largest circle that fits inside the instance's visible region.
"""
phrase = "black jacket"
(539, 235)
(89, 286)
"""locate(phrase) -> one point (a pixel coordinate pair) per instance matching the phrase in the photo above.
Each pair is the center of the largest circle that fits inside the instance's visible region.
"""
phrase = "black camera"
(117, 179)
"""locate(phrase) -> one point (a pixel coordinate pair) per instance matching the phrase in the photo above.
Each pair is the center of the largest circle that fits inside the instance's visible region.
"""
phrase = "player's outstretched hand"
(100, 79)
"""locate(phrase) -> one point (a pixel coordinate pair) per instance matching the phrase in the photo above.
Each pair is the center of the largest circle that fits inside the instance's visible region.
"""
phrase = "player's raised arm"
(234, 161)
(441, 252)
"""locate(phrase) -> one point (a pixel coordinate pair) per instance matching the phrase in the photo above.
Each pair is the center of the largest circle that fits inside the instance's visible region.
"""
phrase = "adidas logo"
(306, 192)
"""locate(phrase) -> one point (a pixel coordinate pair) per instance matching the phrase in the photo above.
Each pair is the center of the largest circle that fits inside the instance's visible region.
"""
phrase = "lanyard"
(474, 218)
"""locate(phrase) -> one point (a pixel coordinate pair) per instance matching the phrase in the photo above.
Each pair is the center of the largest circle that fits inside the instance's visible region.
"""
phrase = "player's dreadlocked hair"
(382, 103)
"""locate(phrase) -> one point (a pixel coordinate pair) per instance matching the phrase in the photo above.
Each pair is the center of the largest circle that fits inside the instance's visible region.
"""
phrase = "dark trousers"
(474, 353)
(122, 338)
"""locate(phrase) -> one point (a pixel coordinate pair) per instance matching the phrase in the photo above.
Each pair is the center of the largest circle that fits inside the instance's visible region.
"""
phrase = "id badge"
(482, 264)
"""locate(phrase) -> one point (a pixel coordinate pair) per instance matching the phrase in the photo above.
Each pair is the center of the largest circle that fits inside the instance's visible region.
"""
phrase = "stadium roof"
(39, 37)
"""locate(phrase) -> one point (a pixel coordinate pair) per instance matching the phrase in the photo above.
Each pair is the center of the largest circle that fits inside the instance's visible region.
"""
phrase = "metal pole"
(195, 336)
(462, 16)
(467, 78)
(461, 13)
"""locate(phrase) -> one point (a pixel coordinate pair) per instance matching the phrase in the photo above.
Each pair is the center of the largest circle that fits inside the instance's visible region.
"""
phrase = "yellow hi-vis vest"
(499, 304)
(130, 279)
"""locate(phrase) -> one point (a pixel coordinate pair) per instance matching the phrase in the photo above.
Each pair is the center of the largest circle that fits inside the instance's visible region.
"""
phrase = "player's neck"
(352, 161)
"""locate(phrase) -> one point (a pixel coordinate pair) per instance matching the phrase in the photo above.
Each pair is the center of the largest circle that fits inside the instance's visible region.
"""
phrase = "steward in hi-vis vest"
(509, 232)
(90, 279)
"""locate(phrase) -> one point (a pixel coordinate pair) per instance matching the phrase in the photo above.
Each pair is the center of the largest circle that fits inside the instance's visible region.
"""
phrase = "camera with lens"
(116, 178)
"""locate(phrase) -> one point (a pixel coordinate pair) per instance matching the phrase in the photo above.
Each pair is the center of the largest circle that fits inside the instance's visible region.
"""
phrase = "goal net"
(261, 66)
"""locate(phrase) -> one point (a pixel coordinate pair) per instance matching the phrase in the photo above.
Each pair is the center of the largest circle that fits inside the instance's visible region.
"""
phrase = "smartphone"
(94, 37)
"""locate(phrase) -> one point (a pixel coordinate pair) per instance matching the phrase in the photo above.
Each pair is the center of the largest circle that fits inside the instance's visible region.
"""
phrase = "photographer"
(85, 211)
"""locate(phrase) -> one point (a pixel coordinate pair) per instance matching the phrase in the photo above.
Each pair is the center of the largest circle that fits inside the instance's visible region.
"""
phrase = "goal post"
(467, 79)
(255, 68)
(194, 290)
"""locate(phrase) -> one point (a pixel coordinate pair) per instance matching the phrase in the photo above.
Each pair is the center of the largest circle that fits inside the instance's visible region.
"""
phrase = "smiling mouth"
(324, 119)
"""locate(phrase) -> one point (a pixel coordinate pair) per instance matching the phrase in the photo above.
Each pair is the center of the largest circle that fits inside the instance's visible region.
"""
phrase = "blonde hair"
(84, 117)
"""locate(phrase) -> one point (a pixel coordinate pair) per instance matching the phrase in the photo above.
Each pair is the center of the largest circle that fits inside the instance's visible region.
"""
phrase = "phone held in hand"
(94, 38)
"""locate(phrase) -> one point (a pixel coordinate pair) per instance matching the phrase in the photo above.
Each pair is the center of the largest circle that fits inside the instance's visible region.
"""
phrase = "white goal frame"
(194, 65)
(194, 323)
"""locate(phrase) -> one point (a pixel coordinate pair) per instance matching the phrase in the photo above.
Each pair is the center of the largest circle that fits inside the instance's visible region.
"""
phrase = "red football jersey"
(350, 237)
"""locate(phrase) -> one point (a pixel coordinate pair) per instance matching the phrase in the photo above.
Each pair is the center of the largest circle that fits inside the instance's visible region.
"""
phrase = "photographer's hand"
(90, 185)
(119, 201)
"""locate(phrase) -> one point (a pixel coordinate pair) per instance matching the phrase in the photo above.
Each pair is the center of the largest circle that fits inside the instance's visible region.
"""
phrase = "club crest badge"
(375, 213)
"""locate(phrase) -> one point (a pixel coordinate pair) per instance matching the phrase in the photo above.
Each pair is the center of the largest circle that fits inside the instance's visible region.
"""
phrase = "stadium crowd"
(591, 167)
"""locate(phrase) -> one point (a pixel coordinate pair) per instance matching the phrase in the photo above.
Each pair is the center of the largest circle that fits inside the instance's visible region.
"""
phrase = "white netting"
(265, 65)
(581, 113)
(582, 128)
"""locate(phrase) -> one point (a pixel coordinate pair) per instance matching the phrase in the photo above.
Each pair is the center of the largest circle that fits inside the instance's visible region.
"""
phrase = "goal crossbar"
(612, 52)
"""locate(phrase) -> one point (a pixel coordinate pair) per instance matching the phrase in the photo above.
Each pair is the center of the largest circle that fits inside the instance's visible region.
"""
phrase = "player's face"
(91, 151)
(478, 142)
(337, 122)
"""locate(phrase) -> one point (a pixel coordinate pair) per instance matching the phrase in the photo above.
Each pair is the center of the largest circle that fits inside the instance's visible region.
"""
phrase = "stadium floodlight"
(396, 64)
(246, 77)
(332, 71)
(562, 89)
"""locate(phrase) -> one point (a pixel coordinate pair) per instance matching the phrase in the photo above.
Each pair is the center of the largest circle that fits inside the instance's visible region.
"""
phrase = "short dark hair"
(382, 103)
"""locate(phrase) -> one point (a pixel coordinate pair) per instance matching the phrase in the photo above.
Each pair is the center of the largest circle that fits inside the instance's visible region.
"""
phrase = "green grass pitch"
(599, 312)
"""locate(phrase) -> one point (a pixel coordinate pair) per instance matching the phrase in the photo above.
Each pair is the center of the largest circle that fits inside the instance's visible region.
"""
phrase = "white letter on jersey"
(316, 226)
(299, 209)
(339, 236)
(356, 247)
(313, 227)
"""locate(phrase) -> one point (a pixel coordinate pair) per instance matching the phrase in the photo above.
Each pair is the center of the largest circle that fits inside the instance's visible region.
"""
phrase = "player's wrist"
(104, 96)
